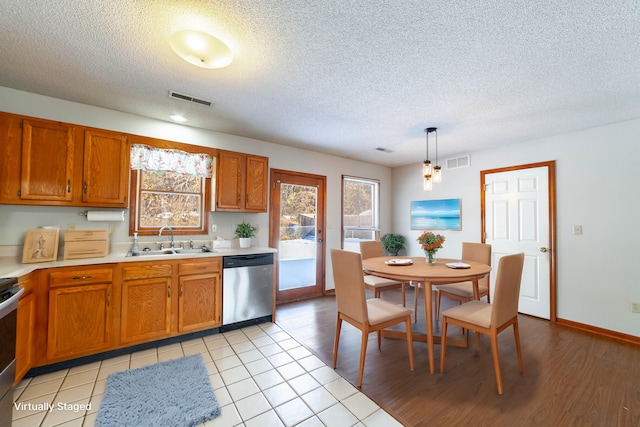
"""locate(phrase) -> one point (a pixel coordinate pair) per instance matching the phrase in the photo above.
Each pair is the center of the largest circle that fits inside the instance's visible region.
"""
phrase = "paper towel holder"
(111, 216)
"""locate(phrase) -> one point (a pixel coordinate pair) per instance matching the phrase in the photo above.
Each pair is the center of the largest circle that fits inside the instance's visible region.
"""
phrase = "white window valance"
(145, 157)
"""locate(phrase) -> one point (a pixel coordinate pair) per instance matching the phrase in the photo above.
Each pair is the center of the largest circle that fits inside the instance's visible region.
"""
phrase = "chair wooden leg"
(496, 359)
(379, 334)
(407, 324)
(336, 341)
(363, 354)
(516, 333)
(376, 294)
(415, 302)
(443, 343)
(404, 299)
(439, 296)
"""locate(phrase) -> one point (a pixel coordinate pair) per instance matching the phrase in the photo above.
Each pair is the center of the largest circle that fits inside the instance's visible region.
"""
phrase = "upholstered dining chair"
(463, 291)
(375, 284)
(371, 315)
(491, 319)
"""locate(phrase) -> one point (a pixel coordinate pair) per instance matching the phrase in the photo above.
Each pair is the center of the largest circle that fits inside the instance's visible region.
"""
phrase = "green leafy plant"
(393, 243)
(245, 230)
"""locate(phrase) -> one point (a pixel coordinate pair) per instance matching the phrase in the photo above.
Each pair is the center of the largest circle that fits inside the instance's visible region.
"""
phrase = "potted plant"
(245, 232)
(392, 243)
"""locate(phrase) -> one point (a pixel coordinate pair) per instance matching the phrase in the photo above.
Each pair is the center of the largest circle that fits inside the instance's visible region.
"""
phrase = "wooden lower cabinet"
(80, 320)
(79, 311)
(25, 329)
(200, 302)
(200, 295)
(146, 309)
(146, 302)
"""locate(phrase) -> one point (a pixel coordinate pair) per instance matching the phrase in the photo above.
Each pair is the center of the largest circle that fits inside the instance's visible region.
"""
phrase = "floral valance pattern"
(145, 157)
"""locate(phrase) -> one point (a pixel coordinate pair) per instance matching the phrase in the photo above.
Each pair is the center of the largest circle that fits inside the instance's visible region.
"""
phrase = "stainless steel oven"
(9, 295)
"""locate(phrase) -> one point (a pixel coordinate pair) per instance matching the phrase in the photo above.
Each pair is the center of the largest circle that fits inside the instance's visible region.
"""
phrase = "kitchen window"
(360, 211)
(170, 189)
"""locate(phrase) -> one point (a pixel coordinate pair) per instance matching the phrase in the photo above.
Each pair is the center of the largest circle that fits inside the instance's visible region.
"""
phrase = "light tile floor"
(261, 377)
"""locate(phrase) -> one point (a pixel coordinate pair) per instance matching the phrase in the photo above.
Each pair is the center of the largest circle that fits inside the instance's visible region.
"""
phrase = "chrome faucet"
(173, 245)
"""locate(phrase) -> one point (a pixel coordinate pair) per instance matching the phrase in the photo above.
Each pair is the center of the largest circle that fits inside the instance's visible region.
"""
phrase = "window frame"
(136, 189)
(375, 228)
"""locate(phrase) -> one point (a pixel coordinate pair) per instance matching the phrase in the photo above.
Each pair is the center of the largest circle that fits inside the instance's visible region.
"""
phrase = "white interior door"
(517, 220)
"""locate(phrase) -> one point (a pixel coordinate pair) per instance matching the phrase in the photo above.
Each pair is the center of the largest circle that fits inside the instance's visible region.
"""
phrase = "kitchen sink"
(176, 251)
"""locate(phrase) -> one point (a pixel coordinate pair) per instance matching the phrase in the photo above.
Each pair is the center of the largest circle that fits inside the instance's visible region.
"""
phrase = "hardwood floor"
(571, 377)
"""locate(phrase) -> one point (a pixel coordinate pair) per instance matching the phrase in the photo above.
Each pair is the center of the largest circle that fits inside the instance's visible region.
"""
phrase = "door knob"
(544, 249)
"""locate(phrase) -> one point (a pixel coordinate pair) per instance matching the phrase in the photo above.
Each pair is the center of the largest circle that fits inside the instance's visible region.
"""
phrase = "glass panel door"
(297, 233)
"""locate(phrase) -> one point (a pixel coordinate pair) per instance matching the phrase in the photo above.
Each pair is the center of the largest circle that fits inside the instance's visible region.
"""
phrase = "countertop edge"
(13, 267)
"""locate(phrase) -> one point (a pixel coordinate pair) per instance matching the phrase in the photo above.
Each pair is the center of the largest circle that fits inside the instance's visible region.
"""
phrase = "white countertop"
(13, 267)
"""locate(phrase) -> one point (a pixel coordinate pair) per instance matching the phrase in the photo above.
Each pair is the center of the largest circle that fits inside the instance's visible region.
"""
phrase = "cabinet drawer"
(80, 276)
(144, 271)
(209, 266)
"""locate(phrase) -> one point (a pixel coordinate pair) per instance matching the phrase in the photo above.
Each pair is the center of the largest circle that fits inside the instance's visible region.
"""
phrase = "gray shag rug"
(172, 393)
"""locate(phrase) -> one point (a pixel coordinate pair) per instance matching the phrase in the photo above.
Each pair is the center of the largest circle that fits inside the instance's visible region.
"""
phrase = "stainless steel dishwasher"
(247, 289)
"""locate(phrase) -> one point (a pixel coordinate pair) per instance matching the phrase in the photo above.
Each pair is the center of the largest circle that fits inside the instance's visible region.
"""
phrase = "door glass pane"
(297, 247)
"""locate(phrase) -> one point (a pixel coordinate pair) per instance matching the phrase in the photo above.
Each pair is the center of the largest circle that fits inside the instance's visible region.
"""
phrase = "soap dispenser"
(134, 247)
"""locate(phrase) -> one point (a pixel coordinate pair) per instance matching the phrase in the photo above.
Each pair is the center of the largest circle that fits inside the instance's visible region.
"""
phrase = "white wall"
(596, 178)
(15, 220)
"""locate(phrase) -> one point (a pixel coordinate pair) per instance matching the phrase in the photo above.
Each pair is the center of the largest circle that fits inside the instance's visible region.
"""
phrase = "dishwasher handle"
(251, 260)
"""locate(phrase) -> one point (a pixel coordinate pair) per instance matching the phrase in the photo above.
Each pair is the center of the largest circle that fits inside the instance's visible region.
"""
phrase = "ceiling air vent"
(189, 98)
(384, 150)
(459, 162)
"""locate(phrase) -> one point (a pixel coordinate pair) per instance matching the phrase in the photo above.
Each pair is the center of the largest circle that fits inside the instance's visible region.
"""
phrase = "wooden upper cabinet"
(229, 182)
(47, 161)
(43, 162)
(242, 182)
(105, 169)
(257, 184)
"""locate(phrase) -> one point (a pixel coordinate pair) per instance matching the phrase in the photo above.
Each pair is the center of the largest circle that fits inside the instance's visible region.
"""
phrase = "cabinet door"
(80, 320)
(105, 169)
(200, 302)
(256, 184)
(10, 158)
(47, 161)
(25, 333)
(146, 309)
(229, 182)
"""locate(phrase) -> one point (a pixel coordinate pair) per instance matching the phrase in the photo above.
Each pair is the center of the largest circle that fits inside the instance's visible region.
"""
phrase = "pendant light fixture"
(430, 174)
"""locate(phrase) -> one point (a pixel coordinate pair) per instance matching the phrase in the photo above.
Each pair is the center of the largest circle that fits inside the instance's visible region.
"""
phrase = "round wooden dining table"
(416, 269)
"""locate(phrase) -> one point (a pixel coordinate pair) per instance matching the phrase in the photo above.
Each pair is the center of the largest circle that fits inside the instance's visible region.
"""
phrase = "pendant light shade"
(201, 49)
(430, 173)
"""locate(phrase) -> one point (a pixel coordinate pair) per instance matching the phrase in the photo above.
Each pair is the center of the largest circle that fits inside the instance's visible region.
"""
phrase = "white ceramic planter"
(245, 242)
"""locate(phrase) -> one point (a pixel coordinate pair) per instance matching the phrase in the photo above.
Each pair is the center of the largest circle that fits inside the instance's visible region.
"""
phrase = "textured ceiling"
(341, 76)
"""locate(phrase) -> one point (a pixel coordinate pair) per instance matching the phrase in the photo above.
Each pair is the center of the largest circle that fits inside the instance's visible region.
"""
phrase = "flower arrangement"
(430, 244)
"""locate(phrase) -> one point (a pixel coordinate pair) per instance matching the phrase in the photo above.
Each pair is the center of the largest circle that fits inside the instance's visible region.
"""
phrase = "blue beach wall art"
(436, 215)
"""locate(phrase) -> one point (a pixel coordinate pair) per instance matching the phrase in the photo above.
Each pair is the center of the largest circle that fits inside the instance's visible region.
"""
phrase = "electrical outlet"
(214, 228)
(577, 230)
(635, 307)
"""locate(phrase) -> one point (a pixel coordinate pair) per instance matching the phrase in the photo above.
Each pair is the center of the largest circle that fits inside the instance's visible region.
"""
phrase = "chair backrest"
(507, 289)
(478, 252)
(371, 249)
(349, 282)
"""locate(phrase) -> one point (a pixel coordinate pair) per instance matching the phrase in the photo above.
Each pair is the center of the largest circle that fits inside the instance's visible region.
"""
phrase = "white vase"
(245, 242)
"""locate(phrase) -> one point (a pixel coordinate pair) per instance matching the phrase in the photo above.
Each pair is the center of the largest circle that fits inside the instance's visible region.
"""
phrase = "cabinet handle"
(108, 299)
(68, 186)
(168, 291)
(180, 290)
(82, 277)
(84, 187)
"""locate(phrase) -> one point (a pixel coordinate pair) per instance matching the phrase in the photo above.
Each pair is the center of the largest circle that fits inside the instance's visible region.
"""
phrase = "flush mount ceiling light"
(178, 118)
(430, 174)
(201, 49)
